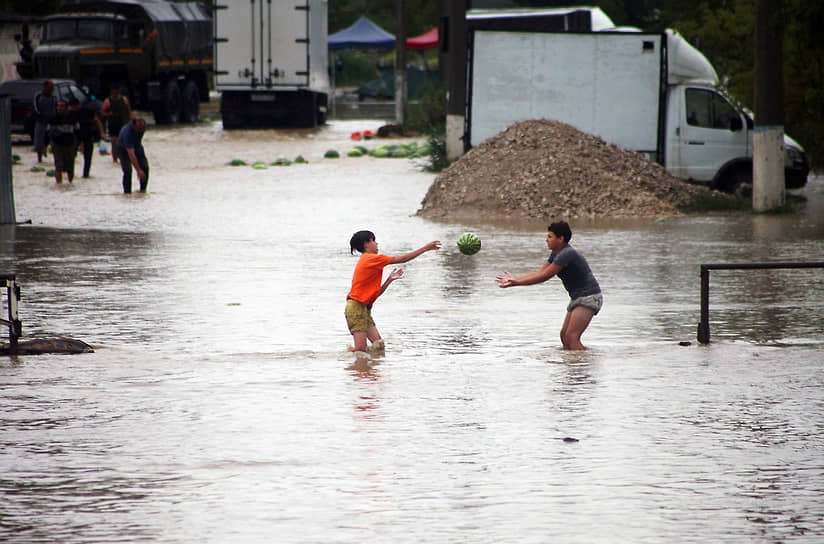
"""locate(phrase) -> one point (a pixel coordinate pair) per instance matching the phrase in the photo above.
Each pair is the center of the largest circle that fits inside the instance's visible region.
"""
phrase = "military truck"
(158, 52)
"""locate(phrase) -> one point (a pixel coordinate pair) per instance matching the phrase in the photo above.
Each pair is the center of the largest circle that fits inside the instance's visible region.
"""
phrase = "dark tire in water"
(739, 183)
(170, 110)
(191, 102)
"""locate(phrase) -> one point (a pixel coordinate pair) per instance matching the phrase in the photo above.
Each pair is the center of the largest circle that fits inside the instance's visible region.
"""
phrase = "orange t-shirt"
(366, 280)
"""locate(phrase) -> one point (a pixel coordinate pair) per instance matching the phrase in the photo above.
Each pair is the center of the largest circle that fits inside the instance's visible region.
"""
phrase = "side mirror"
(736, 124)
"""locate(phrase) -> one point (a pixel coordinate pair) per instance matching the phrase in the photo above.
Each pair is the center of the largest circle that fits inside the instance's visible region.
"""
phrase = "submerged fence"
(13, 322)
(704, 325)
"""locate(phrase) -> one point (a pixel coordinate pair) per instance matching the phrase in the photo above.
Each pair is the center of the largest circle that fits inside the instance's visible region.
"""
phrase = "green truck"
(158, 52)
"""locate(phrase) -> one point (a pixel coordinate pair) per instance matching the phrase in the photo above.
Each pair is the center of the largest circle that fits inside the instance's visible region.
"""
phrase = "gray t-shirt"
(576, 275)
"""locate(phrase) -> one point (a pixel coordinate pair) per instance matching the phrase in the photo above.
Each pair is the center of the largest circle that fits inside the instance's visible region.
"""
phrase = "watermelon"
(469, 243)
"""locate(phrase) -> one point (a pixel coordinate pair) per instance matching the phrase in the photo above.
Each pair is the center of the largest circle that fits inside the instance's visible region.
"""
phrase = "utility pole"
(453, 37)
(400, 63)
(768, 100)
(7, 215)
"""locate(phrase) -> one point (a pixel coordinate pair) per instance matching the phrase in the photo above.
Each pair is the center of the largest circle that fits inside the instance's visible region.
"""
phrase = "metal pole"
(704, 325)
(15, 327)
(7, 215)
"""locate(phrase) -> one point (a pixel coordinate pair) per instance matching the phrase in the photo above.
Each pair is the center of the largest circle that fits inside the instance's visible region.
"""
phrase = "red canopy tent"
(427, 40)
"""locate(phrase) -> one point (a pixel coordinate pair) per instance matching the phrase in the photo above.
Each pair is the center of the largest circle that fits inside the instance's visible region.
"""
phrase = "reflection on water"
(221, 403)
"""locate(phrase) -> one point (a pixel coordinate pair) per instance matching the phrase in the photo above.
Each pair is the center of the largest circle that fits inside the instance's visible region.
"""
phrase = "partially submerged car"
(22, 92)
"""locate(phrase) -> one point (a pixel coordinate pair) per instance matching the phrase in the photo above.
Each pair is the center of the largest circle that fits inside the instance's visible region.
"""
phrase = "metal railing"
(704, 325)
(13, 322)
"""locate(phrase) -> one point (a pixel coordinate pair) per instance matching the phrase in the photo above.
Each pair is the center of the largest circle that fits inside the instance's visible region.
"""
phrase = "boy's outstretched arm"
(539, 276)
(396, 274)
(412, 254)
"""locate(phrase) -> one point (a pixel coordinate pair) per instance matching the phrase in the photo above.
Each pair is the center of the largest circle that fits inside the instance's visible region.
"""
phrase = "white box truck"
(271, 62)
(648, 92)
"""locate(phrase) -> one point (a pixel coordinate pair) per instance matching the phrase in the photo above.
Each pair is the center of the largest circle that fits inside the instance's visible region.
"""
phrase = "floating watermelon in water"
(469, 243)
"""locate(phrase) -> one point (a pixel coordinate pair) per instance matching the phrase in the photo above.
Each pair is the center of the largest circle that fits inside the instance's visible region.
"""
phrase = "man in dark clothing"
(130, 151)
(117, 111)
(45, 106)
(89, 126)
(61, 130)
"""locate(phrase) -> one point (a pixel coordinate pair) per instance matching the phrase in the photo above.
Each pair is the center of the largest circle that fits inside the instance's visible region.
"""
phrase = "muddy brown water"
(221, 405)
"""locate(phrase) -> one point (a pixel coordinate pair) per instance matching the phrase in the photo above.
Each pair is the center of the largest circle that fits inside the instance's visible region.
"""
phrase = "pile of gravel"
(539, 169)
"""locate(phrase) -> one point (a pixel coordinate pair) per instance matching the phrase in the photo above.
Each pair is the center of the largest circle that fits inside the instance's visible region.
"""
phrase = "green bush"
(354, 68)
(429, 112)
(436, 143)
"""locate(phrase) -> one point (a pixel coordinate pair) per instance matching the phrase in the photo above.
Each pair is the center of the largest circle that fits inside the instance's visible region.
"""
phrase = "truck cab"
(158, 52)
(99, 49)
(709, 141)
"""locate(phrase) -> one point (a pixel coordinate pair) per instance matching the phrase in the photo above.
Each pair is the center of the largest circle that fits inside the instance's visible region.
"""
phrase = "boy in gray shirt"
(569, 265)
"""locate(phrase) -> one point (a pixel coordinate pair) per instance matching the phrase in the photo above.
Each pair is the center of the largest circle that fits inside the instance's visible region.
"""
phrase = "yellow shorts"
(358, 316)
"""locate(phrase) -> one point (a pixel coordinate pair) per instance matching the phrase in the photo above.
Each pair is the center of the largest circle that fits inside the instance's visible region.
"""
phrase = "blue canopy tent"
(363, 34)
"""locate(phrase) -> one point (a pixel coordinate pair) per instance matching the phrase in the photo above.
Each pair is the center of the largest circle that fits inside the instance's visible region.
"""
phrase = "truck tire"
(191, 102)
(739, 183)
(169, 111)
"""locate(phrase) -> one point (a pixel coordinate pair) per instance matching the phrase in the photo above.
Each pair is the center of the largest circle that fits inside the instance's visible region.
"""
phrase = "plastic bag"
(103, 147)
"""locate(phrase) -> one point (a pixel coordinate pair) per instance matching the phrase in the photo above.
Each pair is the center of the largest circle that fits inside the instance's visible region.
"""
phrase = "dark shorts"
(113, 128)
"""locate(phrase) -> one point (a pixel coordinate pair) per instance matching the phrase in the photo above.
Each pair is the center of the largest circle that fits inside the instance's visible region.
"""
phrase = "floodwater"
(221, 404)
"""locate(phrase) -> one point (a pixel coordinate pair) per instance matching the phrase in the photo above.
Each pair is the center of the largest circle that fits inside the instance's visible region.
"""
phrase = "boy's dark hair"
(358, 239)
(561, 229)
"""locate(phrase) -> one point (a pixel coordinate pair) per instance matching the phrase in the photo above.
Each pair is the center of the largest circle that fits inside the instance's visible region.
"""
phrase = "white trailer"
(272, 62)
(648, 92)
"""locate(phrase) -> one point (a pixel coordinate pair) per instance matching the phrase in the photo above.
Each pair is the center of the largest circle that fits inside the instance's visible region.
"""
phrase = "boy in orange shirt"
(366, 286)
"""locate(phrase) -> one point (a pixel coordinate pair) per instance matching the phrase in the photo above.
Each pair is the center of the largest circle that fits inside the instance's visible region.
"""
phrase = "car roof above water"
(27, 88)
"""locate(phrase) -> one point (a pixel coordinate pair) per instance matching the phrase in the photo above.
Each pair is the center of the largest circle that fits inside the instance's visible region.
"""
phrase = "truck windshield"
(58, 30)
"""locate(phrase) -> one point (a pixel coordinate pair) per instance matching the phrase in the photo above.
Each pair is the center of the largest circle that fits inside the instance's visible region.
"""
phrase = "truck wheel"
(171, 108)
(191, 102)
(739, 183)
